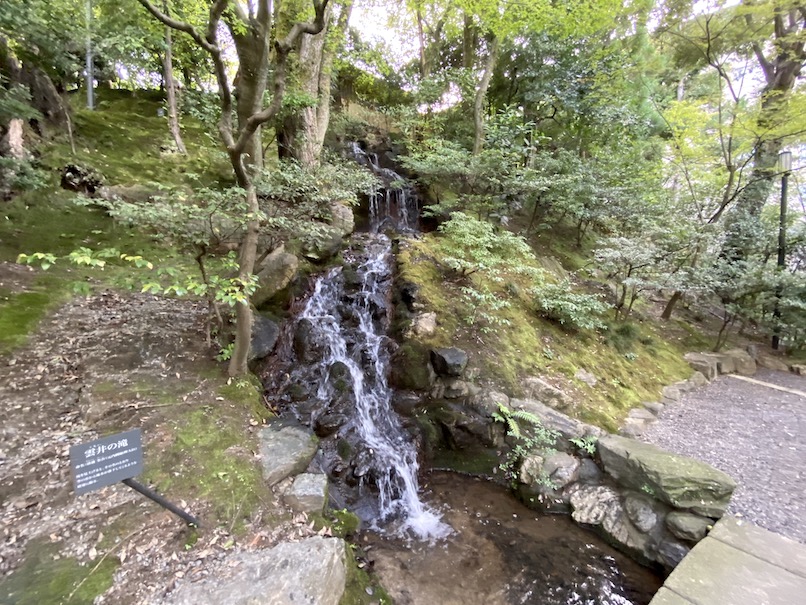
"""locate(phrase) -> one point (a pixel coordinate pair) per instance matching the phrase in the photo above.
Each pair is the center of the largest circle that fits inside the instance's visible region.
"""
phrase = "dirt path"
(754, 433)
(97, 366)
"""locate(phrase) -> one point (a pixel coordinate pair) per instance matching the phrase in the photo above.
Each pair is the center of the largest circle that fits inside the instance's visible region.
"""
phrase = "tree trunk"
(170, 93)
(421, 39)
(481, 93)
(302, 135)
(669, 308)
(238, 363)
(468, 42)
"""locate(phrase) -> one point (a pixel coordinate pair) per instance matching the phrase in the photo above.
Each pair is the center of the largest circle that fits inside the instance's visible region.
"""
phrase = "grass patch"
(44, 579)
(19, 315)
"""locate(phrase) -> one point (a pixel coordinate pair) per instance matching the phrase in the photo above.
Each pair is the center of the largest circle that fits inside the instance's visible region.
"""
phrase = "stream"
(460, 540)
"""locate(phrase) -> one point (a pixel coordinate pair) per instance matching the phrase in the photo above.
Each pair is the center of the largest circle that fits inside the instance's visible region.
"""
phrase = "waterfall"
(362, 347)
(394, 205)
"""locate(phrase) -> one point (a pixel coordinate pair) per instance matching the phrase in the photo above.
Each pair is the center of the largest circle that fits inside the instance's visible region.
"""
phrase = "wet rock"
(411, 369)
(682, 482)
(688, 526)
(703, 363)
(589, 472)
(265, 333)
(618, 528)
(307, 493)
(339, 377)
(449, 362)
(744, 363)
(641, 512)
(539, 389)
(591, 504)
(306, 348)
(275, 274)
(330, 423)
(292, 573)
(285, 450)
(670, 552)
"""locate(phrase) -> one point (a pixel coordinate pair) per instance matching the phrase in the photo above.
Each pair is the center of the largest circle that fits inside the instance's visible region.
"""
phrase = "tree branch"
(181, 25)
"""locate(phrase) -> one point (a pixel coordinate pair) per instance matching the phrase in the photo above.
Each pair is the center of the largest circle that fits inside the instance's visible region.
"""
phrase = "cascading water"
(389, 459)
(392, 205)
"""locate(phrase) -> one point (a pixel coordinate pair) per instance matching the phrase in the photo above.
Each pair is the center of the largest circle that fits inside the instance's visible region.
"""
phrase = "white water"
(394, 457)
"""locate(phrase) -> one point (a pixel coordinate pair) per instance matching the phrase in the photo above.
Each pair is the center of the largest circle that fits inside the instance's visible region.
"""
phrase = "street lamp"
(784, 168)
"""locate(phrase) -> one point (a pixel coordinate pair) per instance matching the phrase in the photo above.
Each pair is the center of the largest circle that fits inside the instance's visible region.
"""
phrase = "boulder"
(670, 552)
(799, 369)
(275, 274)
(531, 471)
(342, 219)
(641, 512)
(285, 450)
(618, 529)
(306, 346)
(677, 480)
(561, 469)
(703, 363)
(567, 427)
(697, 380)
(453, 388)
(486, 402)
(449, 362)
(410, 368)
(307, 493)
(542, 391)
(423, 324)
(265, 333)
(654, 406)
(310, 572)
(670, 394)
(742, 361)
(688, 526)
(769, 362)
(589, 472)
(592, 503)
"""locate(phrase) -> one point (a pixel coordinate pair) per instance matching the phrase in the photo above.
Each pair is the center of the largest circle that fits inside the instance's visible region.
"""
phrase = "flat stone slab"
(285, 450)
(308, 493)
(738, 564)
(310, 572)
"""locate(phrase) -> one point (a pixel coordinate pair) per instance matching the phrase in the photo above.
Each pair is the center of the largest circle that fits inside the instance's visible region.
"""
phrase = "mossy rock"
(411, 368)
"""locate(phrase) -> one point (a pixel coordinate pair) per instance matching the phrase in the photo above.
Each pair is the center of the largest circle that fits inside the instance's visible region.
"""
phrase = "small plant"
(529, 435)
(630, 356)
(586, 443)
(548, 353)
(225, 354)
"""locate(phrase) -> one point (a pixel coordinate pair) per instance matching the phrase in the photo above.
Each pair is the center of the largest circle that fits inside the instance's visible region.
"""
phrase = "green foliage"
(586, 443)
(15, 102)
(528, 435)
(20, 175)
(578, 310)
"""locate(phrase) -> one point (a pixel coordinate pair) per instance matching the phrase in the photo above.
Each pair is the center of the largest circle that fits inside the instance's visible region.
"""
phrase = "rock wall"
(650, 503)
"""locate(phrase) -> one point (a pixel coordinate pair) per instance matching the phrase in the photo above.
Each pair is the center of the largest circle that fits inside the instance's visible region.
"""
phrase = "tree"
(251, 35)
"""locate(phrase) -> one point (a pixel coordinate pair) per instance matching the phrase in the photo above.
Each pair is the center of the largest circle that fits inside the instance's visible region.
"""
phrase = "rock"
(655, 407)
(12, 143)
(310, 572)
(410, 368)
(455, 388)
(670, 394)
(424, 324)
(342, 219)
(275, 274)
(799, 369)
(531, 471)
(724, 363)
(323, 249)
(641, 414)
(589, 472)
(633, 428)
(671, 552)
(697, 379)
(308, 493)
(586, 377)
(567, 427)
(682, 482)
(539, 389)
(80, 179)
(744, 363)
(771, 363)
(265, 333)
(327, 424)
(703, 363)
(641, 512)
(285, 450)
(687, 526)
(449, 362)
(306, 347)
(618, 528)
(591, 504)
(486, 402)
(562, 469)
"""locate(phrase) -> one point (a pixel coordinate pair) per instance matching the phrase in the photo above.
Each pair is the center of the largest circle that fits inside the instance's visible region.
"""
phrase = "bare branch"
(181, 25)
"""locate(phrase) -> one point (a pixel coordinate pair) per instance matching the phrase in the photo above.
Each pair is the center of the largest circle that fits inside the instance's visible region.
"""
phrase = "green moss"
(361, 588)
(248, 392)
(19, 316)
(42, 578)
(208, 461)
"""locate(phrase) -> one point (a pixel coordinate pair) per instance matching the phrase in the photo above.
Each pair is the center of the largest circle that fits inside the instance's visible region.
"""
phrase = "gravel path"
(755, 434)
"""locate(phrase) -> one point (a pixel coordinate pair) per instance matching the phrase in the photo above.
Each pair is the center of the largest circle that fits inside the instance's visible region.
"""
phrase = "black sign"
(106, 461)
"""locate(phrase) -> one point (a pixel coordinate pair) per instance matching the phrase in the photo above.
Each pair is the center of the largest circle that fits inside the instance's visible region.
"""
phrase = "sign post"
(116, 458)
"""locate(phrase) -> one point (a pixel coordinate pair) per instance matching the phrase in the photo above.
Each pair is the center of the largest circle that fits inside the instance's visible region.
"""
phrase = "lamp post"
(784, 168)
